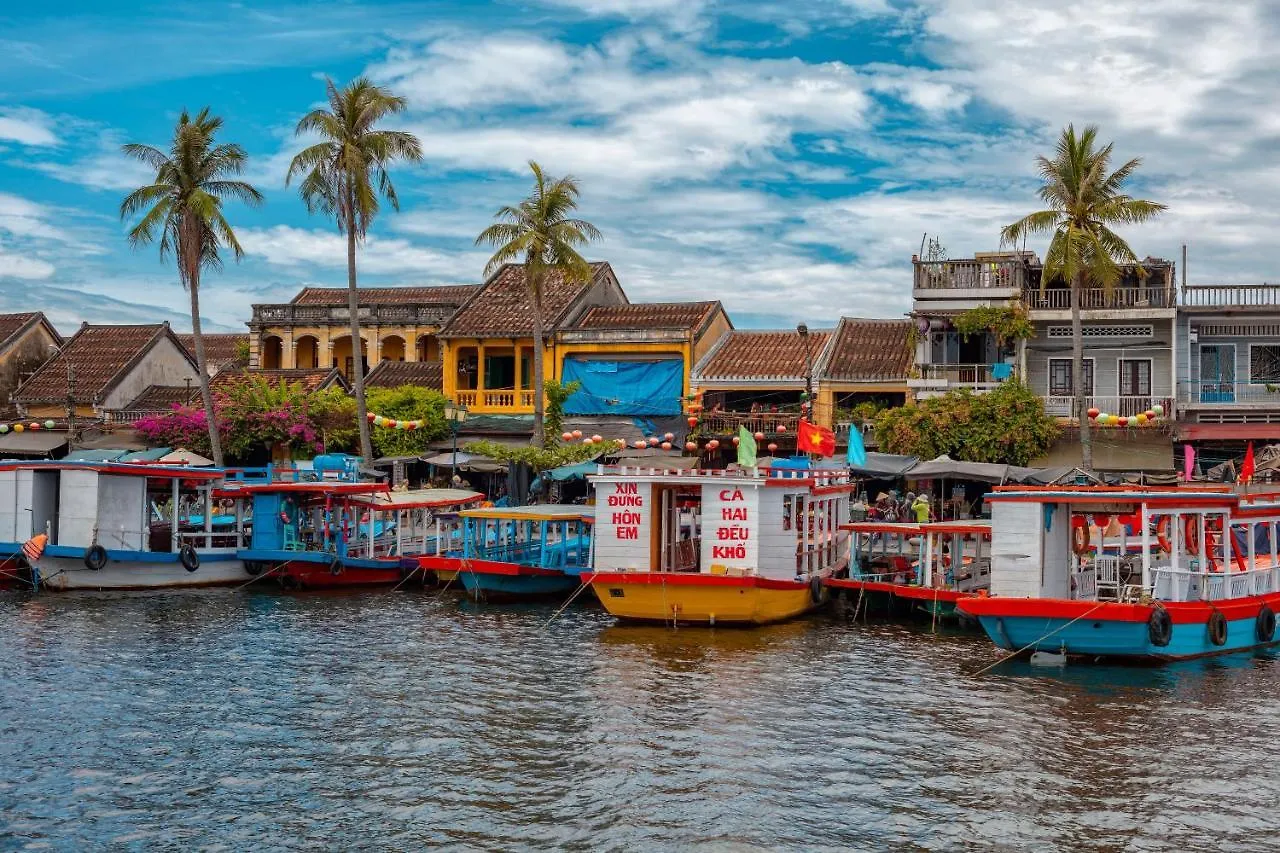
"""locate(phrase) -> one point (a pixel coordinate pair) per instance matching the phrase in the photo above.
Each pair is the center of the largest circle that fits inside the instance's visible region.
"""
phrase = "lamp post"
(803, 331)
(456, 415)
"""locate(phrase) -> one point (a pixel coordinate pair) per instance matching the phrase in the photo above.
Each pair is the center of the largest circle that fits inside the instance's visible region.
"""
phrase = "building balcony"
(940, 378)
(727, 423)
(500, 402)
(1124, 406)
(1102, 299)
(1008, 276)
(289, 314)
(1211, 394)
(1231, 296)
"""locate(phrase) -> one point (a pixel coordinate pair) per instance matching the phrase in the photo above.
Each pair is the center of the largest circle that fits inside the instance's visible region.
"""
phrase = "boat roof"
(817, 480)
(961, 525)
(119, 469)
(419, 498)
(898, 527)
(321, 487)
(534, 512)
(1198, 496)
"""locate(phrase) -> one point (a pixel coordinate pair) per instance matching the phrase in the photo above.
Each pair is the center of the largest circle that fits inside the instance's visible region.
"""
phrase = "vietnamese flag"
(811, 438)
(1246, 467)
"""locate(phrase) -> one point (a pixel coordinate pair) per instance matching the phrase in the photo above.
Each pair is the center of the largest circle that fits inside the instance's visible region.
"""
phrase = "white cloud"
(27, 127)
(104, 169)
(20, 266)
(285, 246)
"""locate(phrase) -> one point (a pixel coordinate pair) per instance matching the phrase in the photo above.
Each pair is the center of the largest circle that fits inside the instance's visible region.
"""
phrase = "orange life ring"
(1162, 534)
(1235, 553)
(1080, 540)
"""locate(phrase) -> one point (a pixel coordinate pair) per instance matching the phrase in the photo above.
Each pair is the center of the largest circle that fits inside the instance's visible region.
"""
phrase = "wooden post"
(1144, 520)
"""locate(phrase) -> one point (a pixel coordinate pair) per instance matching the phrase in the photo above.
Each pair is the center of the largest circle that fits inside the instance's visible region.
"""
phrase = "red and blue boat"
(1141, 574)
(517, 552)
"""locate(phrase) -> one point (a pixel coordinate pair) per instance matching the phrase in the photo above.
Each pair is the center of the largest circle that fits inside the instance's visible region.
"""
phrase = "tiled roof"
(652, 315)
(11, 324)
(501, 307)
(97, 355)
(393, 374)
(870, 350)
(162, 398)
(755, 355)
(454, 294)
(219, 349)
(310, 379)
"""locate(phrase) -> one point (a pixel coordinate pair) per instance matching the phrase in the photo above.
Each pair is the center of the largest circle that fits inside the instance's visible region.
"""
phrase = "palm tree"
(1084, 200)
(343, 176)
(183, 207)
(540, 232)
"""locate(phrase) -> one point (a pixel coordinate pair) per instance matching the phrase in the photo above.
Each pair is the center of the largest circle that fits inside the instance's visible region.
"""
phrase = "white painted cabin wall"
(615, 547)
(1057, 552)
(22, 509)
(44, 503)
(78, 513)
(1017, 548)
(777, 546)
(8, 506)
(121, 510)
(721, 533)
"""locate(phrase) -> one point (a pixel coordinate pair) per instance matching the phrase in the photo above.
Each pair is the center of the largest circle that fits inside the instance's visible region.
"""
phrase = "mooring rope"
(1013, 655)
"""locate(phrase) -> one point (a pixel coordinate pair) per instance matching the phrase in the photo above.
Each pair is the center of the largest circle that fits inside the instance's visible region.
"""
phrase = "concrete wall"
(164, 364)
(21, 360)
(1106, 353)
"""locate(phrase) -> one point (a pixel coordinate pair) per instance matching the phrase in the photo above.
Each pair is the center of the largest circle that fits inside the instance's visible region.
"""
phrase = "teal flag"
(746, 448)
(857, 455)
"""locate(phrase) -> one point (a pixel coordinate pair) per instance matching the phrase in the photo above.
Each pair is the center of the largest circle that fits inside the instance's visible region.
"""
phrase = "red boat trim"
(1181, 612)
(484, 567)
(689, 579)
(902, 590)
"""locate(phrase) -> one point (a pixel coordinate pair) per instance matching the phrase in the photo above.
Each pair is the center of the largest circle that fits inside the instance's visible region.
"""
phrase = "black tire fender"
(1266, 627)
(1159, 627)
(189, 558)
(95, 558)
(815, 589)
(1217, 627)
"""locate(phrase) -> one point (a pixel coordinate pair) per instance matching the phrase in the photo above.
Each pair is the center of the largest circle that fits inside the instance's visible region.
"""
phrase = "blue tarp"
(625, 387)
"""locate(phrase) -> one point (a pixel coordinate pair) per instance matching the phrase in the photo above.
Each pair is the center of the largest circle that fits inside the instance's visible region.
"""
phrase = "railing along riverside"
(1098, 298)
(941, 275)
(1061, 406)
(1231, 295)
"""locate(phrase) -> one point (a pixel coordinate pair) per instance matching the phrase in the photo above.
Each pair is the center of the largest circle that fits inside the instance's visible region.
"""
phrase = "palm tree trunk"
(357, 363)
(539, 388)
(206, 394)
(1077, 377)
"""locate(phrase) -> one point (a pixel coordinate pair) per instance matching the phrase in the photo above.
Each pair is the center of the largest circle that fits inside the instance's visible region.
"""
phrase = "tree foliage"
(539, 459)
(1006, 425)
(408, 403)
(1006, 322)
(558, 393)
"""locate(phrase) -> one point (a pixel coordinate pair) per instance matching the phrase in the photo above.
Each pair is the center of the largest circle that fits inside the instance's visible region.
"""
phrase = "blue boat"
(1143, 574)
(518, 552)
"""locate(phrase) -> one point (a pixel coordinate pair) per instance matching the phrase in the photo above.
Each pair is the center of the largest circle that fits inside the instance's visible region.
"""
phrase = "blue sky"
(785, 158)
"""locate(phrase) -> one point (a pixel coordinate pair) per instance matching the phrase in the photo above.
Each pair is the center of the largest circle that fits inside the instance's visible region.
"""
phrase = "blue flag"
(857, 456)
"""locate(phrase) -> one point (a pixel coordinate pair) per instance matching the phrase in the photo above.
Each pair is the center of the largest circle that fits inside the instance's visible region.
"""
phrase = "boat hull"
(155, 571)
(1116, 630)
(15, 574)
(494, 580)
(899, 599)
(700, 599)
(307, 570)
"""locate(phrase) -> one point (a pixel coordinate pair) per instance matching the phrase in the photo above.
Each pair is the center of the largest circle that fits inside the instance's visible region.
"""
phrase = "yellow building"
(314, 329)
(593, 335)
(867, 361)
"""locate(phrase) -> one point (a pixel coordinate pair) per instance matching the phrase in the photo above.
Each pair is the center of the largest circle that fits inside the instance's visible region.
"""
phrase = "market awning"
(466, 462)
(945, 466)
(884, 465)
(31, 443)
(104, 455)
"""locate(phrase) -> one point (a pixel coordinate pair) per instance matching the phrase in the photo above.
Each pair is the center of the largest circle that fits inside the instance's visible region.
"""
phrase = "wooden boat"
(331, 534)
(904, 569)
(1185, 573)
(105, 528)
(518, 552)
(717, 547)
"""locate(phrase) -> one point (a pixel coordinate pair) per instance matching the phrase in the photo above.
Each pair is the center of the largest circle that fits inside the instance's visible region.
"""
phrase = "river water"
(398, 721)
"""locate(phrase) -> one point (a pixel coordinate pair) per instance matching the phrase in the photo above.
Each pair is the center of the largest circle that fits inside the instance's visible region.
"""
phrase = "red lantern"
(693, 422)
(33, 425)
(392, 424)
(1124, 422)
(713, 444)
(577, 433)
(1150, 413)
(781, 429)
(371, 416)
(759, 436)
(691, 446)
(595, 439)
(566, 436)
(773, 448)
(1093, 413)
(666, 445)
(669, 437)
(640, 444)
(410, 424)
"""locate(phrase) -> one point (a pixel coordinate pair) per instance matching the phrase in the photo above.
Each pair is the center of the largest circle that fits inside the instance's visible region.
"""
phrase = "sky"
(786, 158)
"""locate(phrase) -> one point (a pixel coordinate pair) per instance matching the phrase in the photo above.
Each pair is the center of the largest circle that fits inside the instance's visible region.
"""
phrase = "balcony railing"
(727, 423)
(502, 401)
(1124, 406)
(293, 315)
(939, 275)
(1231, 296)
(961, 375)
(1098, 298)
(1211, 393)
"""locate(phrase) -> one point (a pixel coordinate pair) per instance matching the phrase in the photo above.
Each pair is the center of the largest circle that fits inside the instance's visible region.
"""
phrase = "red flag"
(811, 438)
(1246, 467)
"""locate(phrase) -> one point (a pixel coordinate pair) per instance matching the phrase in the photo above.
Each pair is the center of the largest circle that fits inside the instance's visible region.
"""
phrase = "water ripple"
(220, 720)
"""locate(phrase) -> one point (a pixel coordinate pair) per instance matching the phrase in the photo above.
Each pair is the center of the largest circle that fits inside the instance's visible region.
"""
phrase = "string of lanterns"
(392, 423)
(1147, 418)
(34, 425)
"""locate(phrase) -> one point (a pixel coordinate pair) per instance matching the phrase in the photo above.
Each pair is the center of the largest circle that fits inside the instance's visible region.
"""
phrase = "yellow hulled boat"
(742, 547)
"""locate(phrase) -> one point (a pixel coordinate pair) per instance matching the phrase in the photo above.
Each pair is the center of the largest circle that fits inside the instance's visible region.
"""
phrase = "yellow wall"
(824, 406)
(402, 344)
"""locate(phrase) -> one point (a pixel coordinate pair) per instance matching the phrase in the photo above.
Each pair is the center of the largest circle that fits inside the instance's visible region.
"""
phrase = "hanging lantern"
(587, 441)
(577, 433)
(671, 436)
(412, 425)
(18, 427)
(48, 424)
(804, 395)
(781, 429)
(1142, 419)
(1102, 418)
(1151, 416)
(1133, 421)
(371, 416)
(653, 441)
(691, 446)
(640, 444)
(759, 436)
(4, 428)
(773, 448)
(393, 423)
(736, 440)
(1093, 414)
(1158, 410)
(566, 436)
(713, 444)
(666, 445)
(34, 425)
(596, 439)
(693, 422)
(1124, 422)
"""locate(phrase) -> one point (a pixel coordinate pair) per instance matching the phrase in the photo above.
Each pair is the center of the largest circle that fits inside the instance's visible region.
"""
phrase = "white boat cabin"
(1130, 544)
(783, 525)
(944, 554)
(394, 524)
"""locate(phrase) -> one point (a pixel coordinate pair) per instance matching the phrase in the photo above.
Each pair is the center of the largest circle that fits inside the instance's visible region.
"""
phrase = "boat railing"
(216, 540)
(1196, 585)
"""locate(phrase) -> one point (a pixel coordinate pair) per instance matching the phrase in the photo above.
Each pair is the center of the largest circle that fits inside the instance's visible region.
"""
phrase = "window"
(1135, 377)
(499, 370)
(1060, 377)
(1264, 363)
(1103, 331)
(468, 368)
